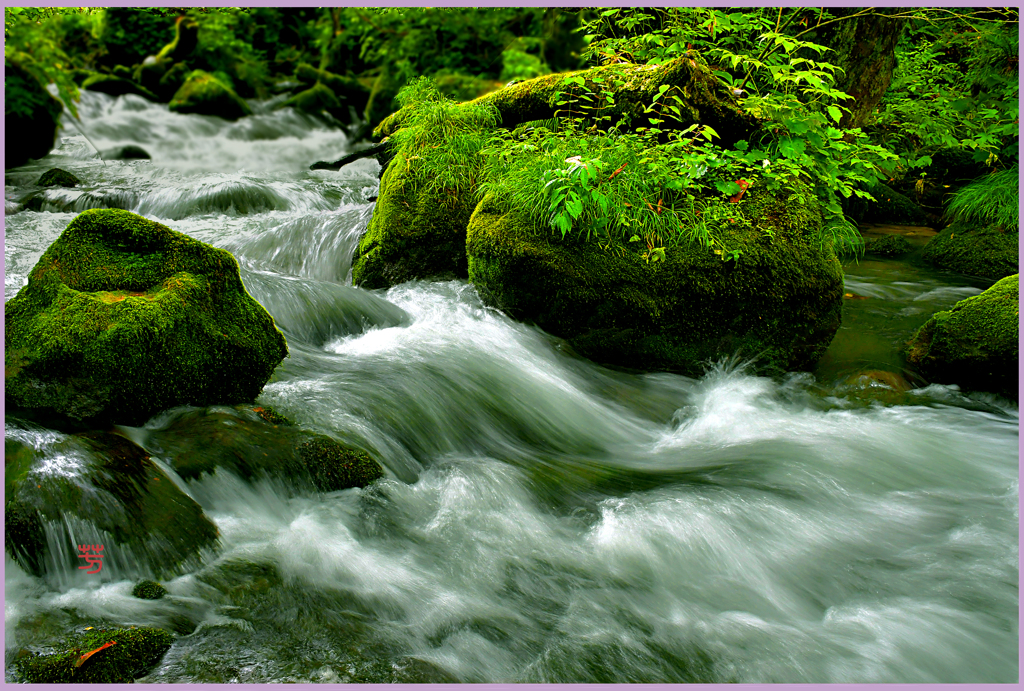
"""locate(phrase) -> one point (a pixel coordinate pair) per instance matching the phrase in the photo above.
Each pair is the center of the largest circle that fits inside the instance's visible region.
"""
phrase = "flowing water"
(543, 518)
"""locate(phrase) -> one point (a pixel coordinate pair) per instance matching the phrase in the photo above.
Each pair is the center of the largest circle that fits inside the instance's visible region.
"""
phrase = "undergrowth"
(994, 198)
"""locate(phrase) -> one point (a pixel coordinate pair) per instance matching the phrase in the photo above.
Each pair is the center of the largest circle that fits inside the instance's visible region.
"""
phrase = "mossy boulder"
(975, 343)
(991, 251)
(349, 91)
(889, 246)
(57, 177)
(204, 94)
(412, 234)
(111, 488)
(131, 653)
(148, 590)
(116, 86)
(31, 116)
(780, 301)
(315, 100)
(123, 317)
(240, 440)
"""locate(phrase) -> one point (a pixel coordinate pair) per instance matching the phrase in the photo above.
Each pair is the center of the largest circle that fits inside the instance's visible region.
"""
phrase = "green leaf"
(727, 187)
(835, 113)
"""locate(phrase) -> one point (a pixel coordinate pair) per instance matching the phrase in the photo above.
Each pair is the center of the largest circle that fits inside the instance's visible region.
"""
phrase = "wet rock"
(99, 656)
(889, 246)
(148, 590)
(879, 378)
(124, 153)
(241, 441)
(56, 177)
(116, 86)
(315, 100)
(97, 488)
(975, 344)
(348, 91)
(31, 116)
(779, 301)
(123, 317)
(204, 94)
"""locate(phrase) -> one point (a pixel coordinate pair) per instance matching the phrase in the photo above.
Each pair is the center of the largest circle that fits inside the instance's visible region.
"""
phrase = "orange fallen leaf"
(89, 654)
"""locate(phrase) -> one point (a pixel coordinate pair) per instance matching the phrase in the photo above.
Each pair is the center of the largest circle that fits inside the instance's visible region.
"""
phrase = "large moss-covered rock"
(411, 234)
(349, 91)
(31, 116)
(121, 656)
(253, 443)
(991, 250)
(975, 344)
(117, 496)
(123, 317)
(889, 246)
(780, 301)
(204, 94)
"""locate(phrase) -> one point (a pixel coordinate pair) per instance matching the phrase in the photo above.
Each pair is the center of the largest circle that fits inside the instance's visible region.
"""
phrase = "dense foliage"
(955, 86)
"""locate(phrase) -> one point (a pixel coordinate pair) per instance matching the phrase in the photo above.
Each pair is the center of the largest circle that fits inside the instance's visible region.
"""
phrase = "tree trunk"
(865, 49)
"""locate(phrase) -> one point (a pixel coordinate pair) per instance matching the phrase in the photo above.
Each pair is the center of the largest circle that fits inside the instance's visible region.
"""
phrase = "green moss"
(202, 441)
(780, 301)
(56, 177)
(123, 317)
(705, 99)
(118, 489)
(334, 466)
(314, 100)
(889, 246)
(268, 414)
(412, 235)
(117, 86)
(975, 343)
(348, 90)
(134, 652)
(991, 251)
(204, 94)
(148, 590)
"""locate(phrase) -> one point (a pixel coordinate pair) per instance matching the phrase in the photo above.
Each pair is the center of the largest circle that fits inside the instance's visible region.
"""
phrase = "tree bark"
(865, 49)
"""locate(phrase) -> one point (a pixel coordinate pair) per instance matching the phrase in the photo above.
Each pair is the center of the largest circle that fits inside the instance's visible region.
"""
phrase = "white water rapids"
(543, 519)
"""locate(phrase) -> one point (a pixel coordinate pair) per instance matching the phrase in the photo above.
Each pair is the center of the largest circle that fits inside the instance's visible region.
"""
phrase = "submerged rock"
(123, 317)
(241, 441)
(98, 656)
(148, 590)
(204, 94)
(889, 246)
(56, 177)
(975, 343)
(779, 301)
(991, 251)
(31, 116)
(99, 488)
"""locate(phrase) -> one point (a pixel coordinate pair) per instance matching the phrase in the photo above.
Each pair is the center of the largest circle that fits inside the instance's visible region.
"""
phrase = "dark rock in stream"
(31, 116)
(97, 488)
(240, 440)
(123, 317)
(116, 86)
(124, 153)
(57, 177)
(148, 590)
(889, 246)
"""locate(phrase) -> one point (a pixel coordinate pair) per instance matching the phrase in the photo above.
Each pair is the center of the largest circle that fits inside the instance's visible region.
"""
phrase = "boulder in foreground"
(123, 317)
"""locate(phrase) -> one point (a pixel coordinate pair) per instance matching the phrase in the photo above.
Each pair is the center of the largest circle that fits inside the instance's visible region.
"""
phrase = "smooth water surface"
(543, 518)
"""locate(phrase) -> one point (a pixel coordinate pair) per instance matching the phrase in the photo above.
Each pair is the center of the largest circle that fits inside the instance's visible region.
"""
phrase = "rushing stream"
(543, 518)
